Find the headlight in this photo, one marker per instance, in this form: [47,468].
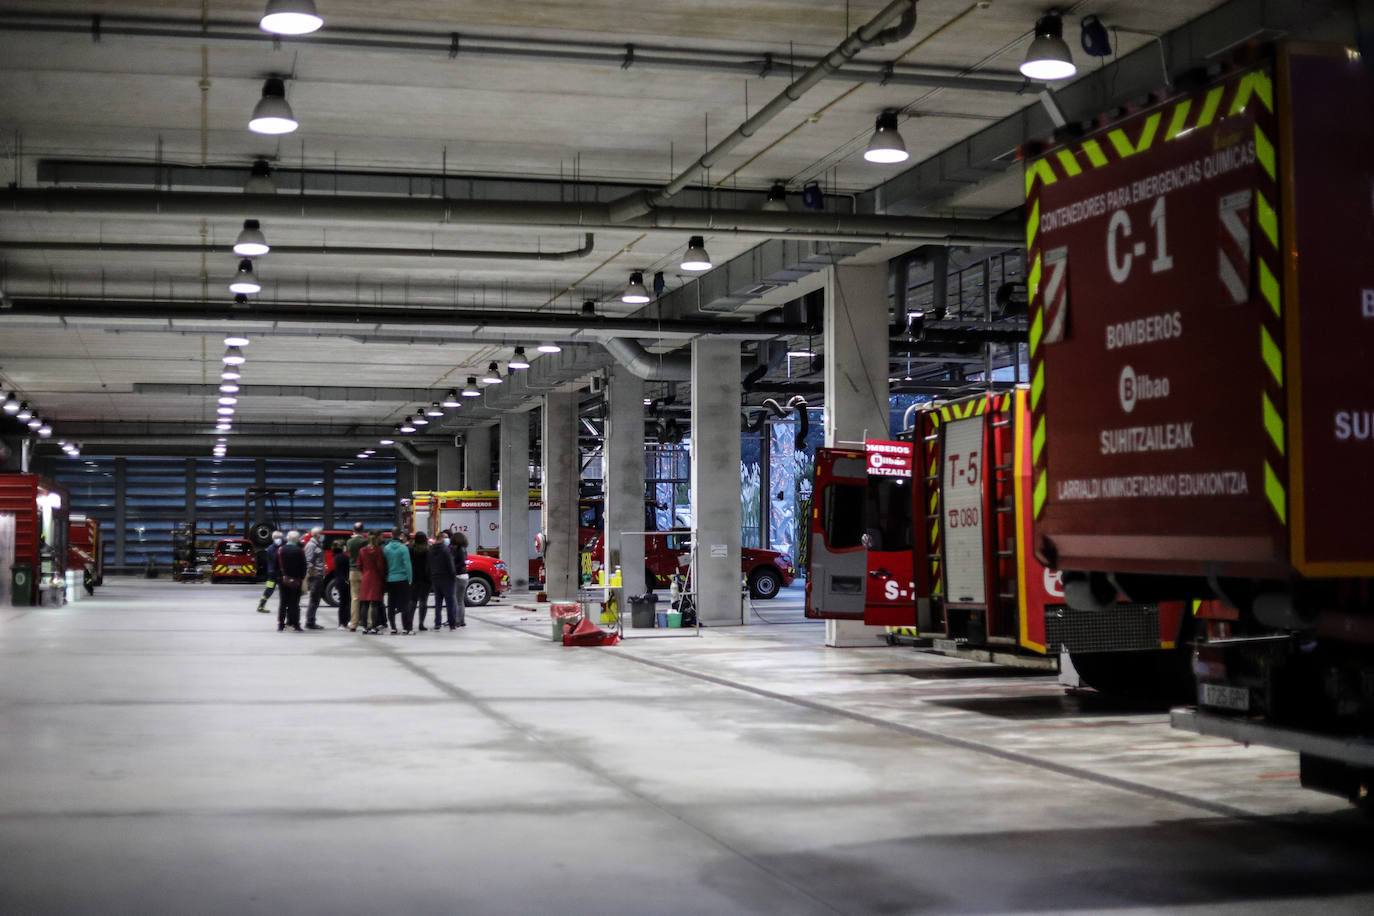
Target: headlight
[501,566]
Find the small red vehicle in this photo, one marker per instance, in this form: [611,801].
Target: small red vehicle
[487,576]
[666,553]
[234,560]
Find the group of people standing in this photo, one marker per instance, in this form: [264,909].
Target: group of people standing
[383,581]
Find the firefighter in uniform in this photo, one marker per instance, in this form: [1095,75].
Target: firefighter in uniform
[273,570]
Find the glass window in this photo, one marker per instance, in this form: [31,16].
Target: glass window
[842,515]
[888,513]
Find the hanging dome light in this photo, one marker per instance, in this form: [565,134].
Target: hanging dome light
[451,399]
[272,115]
[434,410]
[290,17]
[233,357]
[229,388]
[407,426]
[1048,56]
[228,399]
[225,411]
[386,441]
[260,179]
[251,243]
[635,293]
[44,429]
[518,361]
[223,426]
[34,421]
[696,259]
[419,419]
[549,348]
[493,376]
[23,414]
[777,199]
[886,146]
[231,373]
[470,389]
[236,340]
[245,282]
[12,403]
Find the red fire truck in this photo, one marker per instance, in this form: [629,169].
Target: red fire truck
[930,537]
[85,552]
[35,572]
[1202,326]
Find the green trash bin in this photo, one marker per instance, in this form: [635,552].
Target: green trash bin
[21,585]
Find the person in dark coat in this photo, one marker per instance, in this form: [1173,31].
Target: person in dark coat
[291,561]
[372,583]
[443,579]
[419,576]
[341,576]
[273,570]
[460,566]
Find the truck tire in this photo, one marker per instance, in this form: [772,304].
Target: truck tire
[333,594]
[764,583]
[479,590]
[260,534]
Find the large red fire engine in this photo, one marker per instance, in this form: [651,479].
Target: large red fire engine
[1202,326]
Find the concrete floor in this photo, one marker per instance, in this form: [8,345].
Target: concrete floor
[165,750]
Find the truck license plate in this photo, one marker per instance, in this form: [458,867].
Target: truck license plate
[1222,697]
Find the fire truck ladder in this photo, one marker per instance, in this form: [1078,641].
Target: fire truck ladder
[1001,621]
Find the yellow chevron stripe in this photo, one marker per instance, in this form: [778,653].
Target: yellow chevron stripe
[1197,606]
[982,406]
[1269,352]
[1122,144]
[1264,152]
[944,414]
[1042,170]
[1069,163]
[1273,423]
[1033,224]
[1209,106]
[1095,154]
[1266,217]
[1180,117]
[1037,386]
[1257,84]
[1038,441]
[1033,281]
[1269,287]
[1037,330]
[1273,488]
[1041,491]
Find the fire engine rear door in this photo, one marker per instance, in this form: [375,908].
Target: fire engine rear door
[889,520]
[962,513]
[837,562]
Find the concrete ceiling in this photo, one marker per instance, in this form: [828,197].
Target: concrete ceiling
[534,104]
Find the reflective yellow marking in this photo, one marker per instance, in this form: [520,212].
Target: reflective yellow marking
[1033,281]
[1122,144]
[1037,329]
[1095,154]
[1041,169]
[1274,490]
[1180,117]
[1037,386]
[1069,163]
[1209,106]
[1264,152]
[1197,606]
[1267,218]
[1038,440]
[1033,223]
[1273,423]
[1041,489]
[1269,352]
[1269,287]
[1256,84]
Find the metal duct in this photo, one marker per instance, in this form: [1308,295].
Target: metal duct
[408,454]
[871,33]
[652,367]
[817,226]
[347,250]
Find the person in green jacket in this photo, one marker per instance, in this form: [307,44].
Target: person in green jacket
[398,577]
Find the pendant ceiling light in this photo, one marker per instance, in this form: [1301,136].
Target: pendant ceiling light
[1048,56]
[260,179]
[236,340]
[223,426]
[225,411]
[517,361]
[635,293]
[245,281]
[434,410]
[34,421]
[228,399]
[290,17]
[407,426]
[233,356]
[549,348]
[777,199]
[44,429]
[231,373]
[493,376]
[470,389]
[696,259]
[12,403]
[386,441]
[419,419]
[886,145]
[272,115]
[251,243]
[451,399]
[23,414]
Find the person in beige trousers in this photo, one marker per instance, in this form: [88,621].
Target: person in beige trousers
[355,575]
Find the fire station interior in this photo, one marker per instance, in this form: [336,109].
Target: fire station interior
[665,275]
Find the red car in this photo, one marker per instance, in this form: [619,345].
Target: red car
[234,560]
[766,571]
[486,576]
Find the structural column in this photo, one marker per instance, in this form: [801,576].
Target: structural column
[560,488]
[449,468]
[516,537]
[856,398]
[624,478]
[716,480]
[477,459]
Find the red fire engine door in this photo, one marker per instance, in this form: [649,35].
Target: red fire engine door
[889,517]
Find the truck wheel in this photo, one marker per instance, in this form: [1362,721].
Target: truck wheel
[332,593]
[479,591]
[764,583]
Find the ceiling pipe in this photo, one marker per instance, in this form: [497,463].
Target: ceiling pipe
[652,367]
[314,210]
[408,453]
[871,33]
[367,316]
[339,250]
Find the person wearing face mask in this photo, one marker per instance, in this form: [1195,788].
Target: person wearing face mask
[273,570]
[443,578]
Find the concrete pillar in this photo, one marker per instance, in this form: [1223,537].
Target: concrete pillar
[558,443]
[477,459]
[715,480]
[856,405]
[624,477]
[516,536]
[449,473]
